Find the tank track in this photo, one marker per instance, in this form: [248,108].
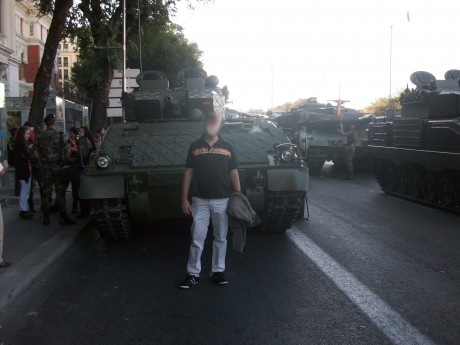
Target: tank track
[424,189]
[112,219]
[282,209]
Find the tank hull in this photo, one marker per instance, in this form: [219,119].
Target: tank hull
[412,159]
[143,184]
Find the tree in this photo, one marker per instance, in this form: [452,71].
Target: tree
[59,10]
[165,49]
[380,105]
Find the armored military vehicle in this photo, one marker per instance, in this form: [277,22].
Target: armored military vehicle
[322,126]
[417,155]
[136,175]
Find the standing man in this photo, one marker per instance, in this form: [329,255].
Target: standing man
[350,149]
[3,263]
[212,163]
[49,149]
[35,166]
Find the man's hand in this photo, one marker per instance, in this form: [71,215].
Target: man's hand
[186,208]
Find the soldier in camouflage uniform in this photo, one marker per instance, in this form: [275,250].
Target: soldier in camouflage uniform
[49,149]
[350,146]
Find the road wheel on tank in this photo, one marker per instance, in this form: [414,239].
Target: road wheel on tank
[414,184]
[401,182]
[446,195]
[429,188]
[389,179]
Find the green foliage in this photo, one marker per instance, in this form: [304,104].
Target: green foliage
[165,49]
[380,105]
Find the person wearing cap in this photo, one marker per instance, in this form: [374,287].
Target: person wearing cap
[49,149]
[212,163]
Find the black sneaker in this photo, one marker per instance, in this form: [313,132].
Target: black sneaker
[25,215]
[189,281]
[219,278]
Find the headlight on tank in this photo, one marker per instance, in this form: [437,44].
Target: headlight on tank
[103,162]
[286,155]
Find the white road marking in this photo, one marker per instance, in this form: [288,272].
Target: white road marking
[389,321]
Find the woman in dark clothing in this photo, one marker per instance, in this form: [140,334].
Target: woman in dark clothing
[22,168]
[13,131]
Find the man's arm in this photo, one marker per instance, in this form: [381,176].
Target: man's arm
[186,180]
[341,130]
[4,167]
[235,178]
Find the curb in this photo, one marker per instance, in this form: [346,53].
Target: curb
[24,273]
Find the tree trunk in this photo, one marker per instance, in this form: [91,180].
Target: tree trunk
[43,77]
[101,99]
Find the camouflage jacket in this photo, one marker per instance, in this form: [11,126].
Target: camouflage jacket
[50,146]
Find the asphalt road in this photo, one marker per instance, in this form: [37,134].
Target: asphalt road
[366,268]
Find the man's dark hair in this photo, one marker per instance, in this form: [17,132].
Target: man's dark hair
[50,120]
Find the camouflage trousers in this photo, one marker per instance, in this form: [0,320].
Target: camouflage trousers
[349,153]
[51,176]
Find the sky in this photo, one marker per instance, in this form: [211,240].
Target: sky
[308,48]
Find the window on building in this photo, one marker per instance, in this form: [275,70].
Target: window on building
[31,29]
[66,61]
[60,73]
[59,61]
[66,46]
[66,74]
[21,24]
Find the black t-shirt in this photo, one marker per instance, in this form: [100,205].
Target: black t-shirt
[211,168]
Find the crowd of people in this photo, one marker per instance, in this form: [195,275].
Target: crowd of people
[53,160]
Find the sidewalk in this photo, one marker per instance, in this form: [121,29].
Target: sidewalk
[32,247]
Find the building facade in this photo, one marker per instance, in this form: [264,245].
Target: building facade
[23,35]
[66,58]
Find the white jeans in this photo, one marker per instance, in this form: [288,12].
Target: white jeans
[202,211]
[24,195]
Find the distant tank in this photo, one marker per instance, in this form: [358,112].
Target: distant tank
[322,126]
[417,155]
[137,173]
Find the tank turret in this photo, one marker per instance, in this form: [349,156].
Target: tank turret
[432,98]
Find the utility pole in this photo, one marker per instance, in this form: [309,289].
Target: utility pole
[391,56]
[123,87]
[272,89]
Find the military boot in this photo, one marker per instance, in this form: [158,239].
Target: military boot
[65,220]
